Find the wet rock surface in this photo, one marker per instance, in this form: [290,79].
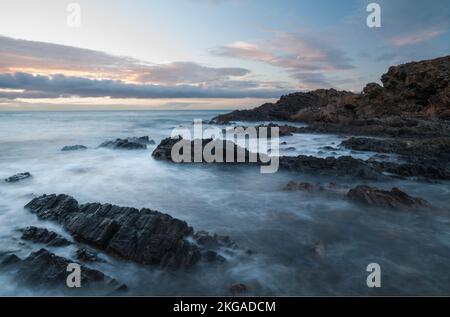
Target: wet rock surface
[86,255]
[45,269]
[42,235]
[77,147]
[134,143]
[144,236]
[394,199]
[18,177]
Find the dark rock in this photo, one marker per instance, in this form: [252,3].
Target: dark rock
[42,235]
[342,166]
[144,236]
[18,177]
[164,150]
[303,186]
[238,289]
[134,143]
[10,259]
[395,199]
[43,268]
[86,255]
[413,102]
[73,148]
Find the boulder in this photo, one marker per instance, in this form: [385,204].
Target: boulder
[394,199]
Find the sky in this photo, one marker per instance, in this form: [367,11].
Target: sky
[204,54]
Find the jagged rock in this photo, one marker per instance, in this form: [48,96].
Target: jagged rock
[45,269]
[74,148]
[144,236]
[18,177]
[42,235]
[395,199]
[86,255]
[134,143]
[413,101]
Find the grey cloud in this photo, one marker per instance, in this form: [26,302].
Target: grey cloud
[38,86]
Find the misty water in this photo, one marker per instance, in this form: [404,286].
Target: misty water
[301,243]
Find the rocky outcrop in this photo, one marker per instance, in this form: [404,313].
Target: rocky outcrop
[45,269]
[164,150]
[413,101]
[436,147]
[144,236]
[42,235]
[394,199]
[18,177]
[344,166]
[134,143]
[73,148]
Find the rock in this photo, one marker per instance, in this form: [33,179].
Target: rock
[134,143]
[238,289]
[74,148]
[433,148]
[86,255]
[413,102]
[42,235]
[18,177]
[394,199]
[10,259]
[303,186]
[342,166]
[291,149]
[164,150]
[145,236]
[45,269]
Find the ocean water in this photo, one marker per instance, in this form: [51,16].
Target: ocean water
[301,243]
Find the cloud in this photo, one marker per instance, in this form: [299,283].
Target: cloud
[297,53]
[188,73]
[77,71]
[417,37]
[25,85]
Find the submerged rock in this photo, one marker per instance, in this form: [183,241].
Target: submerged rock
[73,148]
[144,236]
[134,143]
[303,186]
[45,269]
[18,177]
[42,235]
[395,199]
